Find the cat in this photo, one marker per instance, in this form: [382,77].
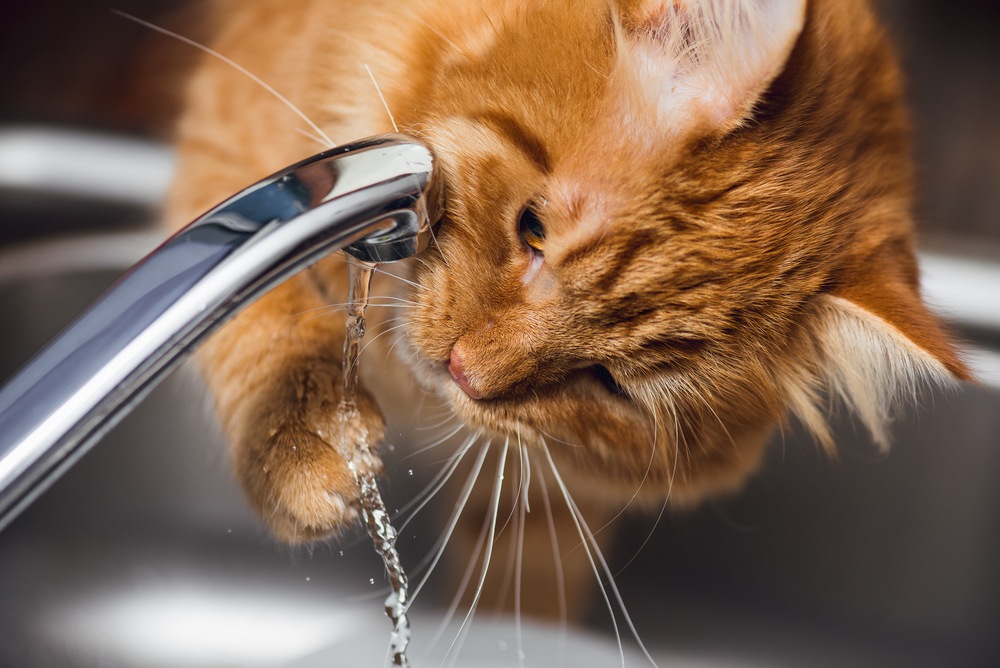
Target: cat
[670,225]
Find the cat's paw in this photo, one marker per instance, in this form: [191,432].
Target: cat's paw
[292,465]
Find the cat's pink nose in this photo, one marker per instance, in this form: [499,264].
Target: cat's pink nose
[458,373]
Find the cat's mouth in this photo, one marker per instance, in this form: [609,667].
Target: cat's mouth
[605,379]
[594,377]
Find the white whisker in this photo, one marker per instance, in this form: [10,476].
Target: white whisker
[645,476]
[462,586]
[588,536]
[523,509]
[435,240]
[381,97]
[577,521]
[649,537]
[316,138]
[397,277]
[453,521]
[560,576]
[438,482]
[489,544]
[239,68]
[508,574]
[401,337]
[380,335]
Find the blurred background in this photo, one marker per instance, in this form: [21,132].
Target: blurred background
[871,560]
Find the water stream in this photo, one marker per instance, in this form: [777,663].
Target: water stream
[353,432]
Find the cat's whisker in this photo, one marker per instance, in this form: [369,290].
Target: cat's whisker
[523,509]
[336,308]
[417,130]
[463,500]
[401,300]
[436,442]
[588,537]
[380,335]
[437,482]
[674,447]
[700,396]
[559,440]
[444,257]
[558,561]
[314,137]
[574,511]
[508,575]
[328,310]
[654,402]
[517,495]
[401,337]
[649,537]
[236,66]
[672,462]
[645,476]
[443,417]
[448,416]
[462,586]
[494,511]
[381,97]
[397,277]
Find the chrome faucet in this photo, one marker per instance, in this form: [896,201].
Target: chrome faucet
[377,199]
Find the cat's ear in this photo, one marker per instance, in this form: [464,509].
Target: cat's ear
[708,61]
[874,344]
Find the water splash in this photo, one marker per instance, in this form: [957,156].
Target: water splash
[356,448]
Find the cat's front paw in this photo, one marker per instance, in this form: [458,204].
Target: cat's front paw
[293,467]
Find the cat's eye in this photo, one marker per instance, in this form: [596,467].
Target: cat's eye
[531,229]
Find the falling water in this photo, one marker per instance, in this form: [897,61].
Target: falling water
[353,431]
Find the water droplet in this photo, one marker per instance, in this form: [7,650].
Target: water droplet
[229,530]
[371,581]
[502,644]
[294,448]
[520,655]
[410,471]
[341,553]
[308,579]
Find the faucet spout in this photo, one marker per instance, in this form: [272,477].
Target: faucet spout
[377,199]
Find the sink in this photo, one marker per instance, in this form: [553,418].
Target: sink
[145,553]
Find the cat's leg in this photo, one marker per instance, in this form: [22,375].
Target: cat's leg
[275,372]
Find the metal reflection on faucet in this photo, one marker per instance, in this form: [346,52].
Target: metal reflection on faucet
[377,199]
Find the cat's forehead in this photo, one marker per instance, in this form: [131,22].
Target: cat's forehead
[543,64]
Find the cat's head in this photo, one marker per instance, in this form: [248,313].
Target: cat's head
[669,224]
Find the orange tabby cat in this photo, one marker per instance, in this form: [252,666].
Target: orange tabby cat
[669,224]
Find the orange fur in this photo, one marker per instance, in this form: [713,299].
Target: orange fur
[727,215]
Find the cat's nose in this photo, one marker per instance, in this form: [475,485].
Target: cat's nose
[458,374]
